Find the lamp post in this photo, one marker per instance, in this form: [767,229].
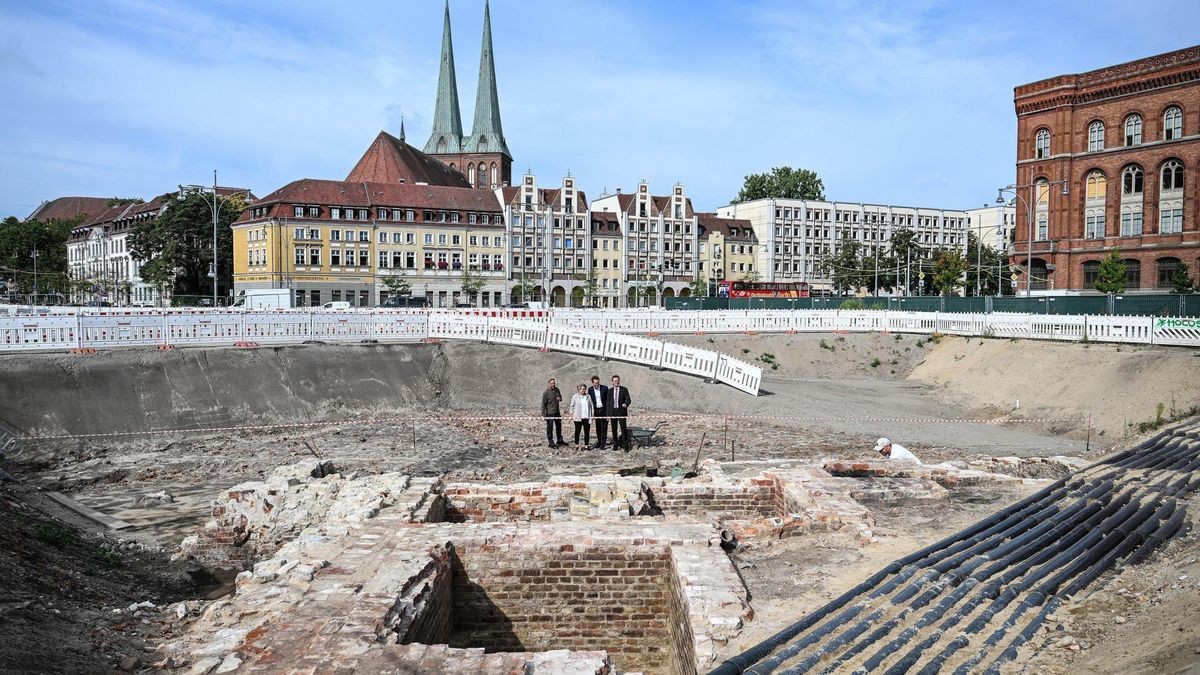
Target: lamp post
[215,207]
[1015,190]
[34,254]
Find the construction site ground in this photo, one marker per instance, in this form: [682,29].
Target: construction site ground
[469,412]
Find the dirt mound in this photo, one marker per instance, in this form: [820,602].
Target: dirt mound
[66,595]
[821,356]
[1120,386]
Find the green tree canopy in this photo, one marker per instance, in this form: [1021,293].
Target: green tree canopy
[1181,280]
[948,269]
[783,182]
[18,240]
[699,288]
[397,283]
[472,283]
[843,265]
[1111,276]
[988,266]
[175,249]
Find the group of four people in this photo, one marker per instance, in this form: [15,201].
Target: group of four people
[598,402]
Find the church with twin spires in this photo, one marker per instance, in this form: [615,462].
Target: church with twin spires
[482,156]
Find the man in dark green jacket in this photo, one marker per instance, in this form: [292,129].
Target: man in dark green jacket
[551,400]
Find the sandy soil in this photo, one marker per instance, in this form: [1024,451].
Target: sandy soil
[1119,386]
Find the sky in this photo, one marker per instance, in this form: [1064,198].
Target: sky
[906,103]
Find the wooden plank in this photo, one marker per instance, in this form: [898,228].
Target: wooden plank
[88,512]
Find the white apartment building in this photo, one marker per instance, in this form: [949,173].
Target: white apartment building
[98,253]
[660,239]
[795,235]
[993,225]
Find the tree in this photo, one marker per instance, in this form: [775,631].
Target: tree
[750,276]
[521,291]
[948,268]
[783,182]
[1110,278]
[909,256]
[842,266]
[471,283]
[591,286]
[176,249]
[397,283]
[699,288]
[17,242]
[986,265]
[1182,281]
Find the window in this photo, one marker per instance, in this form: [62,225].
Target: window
[410,260]
[335,257]
[1166,269]
[1133,130]
[1172,124]
[362,214]
[383,214]
[335,213]
[474,240]
[298,211]
[456,240]
[428,238]
[409,215]
[315,235]
[364,236]
[454,217]
[383,237]
[396,214]
[1042,210]
[298,233]
[1170,200]
[364,258]
[1042,144]
[1133,274]
[349,235]
[410,238]
[1094,205]
[1091,272]
[441,240]
[1095,136]
[314,256]
[395,237]
[335,235]
[1131,201]
[1131,181]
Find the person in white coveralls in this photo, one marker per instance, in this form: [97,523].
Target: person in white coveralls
[895,451]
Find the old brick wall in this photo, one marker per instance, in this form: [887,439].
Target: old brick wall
[602,597]
[680,636]
[731,499]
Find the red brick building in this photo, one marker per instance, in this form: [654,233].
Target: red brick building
[1125,141]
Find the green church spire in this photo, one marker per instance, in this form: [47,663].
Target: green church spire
[447,121]
[487,134]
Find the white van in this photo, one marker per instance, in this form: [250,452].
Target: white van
[340,304]
[264,298]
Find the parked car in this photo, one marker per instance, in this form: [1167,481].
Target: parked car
[339,304]
[403,301]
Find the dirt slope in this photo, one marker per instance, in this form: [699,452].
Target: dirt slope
[1119,385]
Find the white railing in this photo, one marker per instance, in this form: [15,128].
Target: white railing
[623,335]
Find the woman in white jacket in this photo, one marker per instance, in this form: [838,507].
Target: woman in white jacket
[582,412]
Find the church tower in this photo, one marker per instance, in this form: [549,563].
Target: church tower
[482,157]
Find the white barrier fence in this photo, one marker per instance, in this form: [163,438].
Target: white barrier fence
[1126,329]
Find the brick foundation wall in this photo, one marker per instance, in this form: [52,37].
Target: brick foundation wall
[680,636]
[423,611]
[560,498]
[747,498]
[612,598]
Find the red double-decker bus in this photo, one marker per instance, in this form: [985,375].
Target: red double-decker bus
[763,289]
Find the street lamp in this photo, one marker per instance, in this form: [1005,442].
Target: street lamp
[1014,189]
[215,207]
[35,284]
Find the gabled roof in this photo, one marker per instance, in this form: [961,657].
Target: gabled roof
[391,160]
[711,223]
[66,208]
[340,193]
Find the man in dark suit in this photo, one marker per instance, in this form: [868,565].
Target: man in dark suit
[618,410]
[599,395]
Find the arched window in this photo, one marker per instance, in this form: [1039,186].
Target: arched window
[470,171]
[1042,208]
[1041,144]
[1096,136]
[1131,201]
[1170,198]
[1038,273]
[1094,205]
[1172,124]
[483,175]
[1166,269]
[1091,272]
[1133,274]
[1133,130]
